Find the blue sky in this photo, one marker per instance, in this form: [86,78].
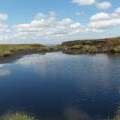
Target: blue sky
[55,21]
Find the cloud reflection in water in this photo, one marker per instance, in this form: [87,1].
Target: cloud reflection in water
[4,71]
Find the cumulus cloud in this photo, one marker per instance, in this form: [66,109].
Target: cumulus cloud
[81,13]
[3,17]
[47,25]
[84,2]
[3,26]
[105,20]
[104,5]
[100,16]
[117,11]
[100,5]
[76,25]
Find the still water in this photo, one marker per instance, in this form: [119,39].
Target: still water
[56,86]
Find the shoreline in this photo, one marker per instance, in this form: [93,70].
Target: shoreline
[111,45]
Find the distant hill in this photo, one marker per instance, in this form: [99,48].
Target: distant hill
[110,45]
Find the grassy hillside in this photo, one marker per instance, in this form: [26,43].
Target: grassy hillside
[111,45]
[8,50]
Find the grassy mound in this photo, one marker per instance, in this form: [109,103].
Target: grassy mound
[16,116]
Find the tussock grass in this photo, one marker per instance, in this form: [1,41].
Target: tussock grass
[8,50]
[111,45]
[16,116]
[117,116]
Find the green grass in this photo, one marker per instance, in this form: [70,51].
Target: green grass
[111,45]
[117,49]
[117,116]
[16,116]
[89,49]
[8,50]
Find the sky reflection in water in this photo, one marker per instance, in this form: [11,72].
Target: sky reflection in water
[57,86]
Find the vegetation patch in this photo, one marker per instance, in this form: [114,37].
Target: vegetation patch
[111,45]
[17,116]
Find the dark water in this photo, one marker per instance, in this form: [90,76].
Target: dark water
[57,86]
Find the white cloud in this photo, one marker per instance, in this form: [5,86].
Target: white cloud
[84,2]
[117,11]
[104,5]
[4,29]
[105,20]
[47,26]
[66,21]
[76,25]
[104,24]
[80,13]
[42,15]
[3,26]
[3,17]
[100,16]
[96,3]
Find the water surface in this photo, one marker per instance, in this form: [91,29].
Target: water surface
[56,86]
